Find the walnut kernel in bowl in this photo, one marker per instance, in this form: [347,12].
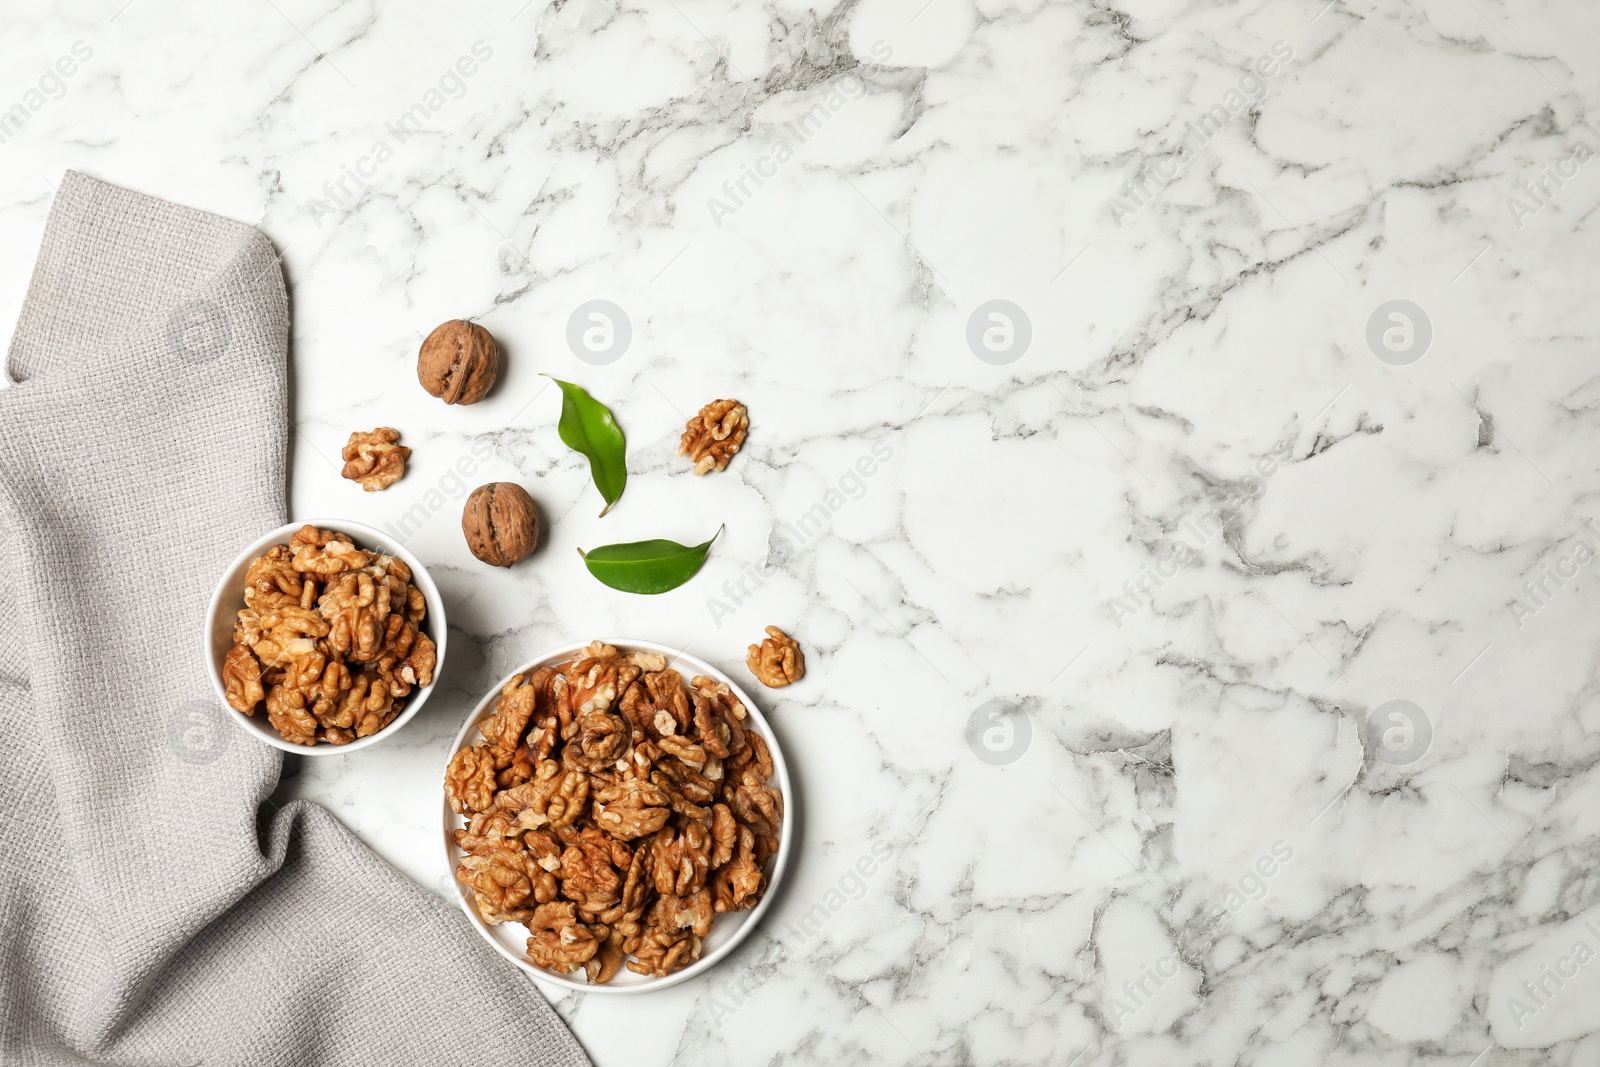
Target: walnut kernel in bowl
[330,639]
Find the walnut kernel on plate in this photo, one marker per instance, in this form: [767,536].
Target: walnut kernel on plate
[622,831]
[331,630]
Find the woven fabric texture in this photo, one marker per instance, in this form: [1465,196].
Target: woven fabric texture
[155,907]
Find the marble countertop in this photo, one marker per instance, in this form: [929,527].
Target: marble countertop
[1172,440]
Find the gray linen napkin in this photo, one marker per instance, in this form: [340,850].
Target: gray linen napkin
[154,909]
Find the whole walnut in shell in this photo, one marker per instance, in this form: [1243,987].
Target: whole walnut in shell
[459,362]
[500,523]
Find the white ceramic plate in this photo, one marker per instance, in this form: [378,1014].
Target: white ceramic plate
[228,599]
[727,930]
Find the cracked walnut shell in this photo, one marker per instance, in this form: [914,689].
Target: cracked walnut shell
[713,436]
[459,362]
[376,460]
[776,661]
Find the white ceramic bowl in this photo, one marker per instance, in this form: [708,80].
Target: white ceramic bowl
[228,599]
[727,930]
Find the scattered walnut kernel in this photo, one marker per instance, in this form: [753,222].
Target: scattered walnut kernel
[712,437]
[375,459]
[777,661]
[329,639]
[598,818]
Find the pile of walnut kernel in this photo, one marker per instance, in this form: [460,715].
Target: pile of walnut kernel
[329,638]
[613,810]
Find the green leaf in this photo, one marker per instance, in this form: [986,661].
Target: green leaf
[646,566]
[587,428]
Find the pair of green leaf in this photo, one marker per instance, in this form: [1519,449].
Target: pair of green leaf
[588,428]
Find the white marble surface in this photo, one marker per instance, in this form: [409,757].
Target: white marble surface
[1097,900]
